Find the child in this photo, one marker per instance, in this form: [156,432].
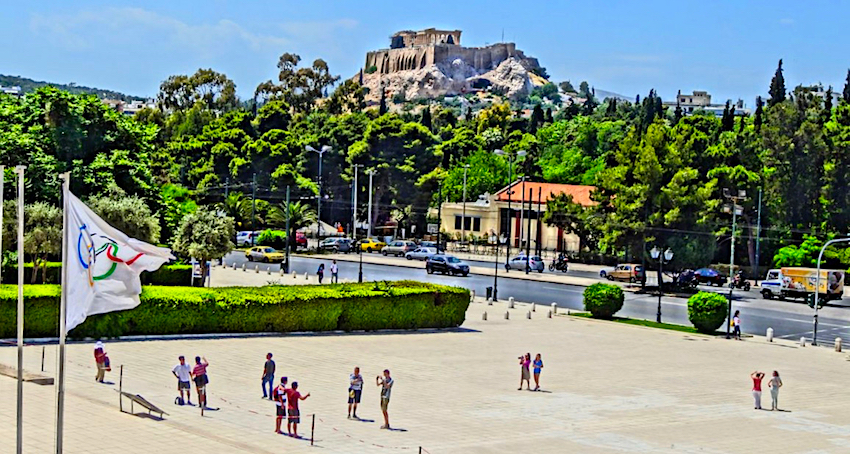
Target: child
[538,366]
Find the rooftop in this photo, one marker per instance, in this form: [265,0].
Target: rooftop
[580,193]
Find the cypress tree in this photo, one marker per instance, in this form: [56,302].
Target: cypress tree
[827,103]
[846,93]
[743,124]
[759,112]
[777,87]
[382,108]
[537,118]
[426,117]
[550,118]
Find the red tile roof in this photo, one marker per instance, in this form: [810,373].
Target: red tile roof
[580,193]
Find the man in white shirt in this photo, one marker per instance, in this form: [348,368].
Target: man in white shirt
[355,388]
[182,372]
[334,273]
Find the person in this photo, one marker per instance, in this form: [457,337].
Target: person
[101,362]
[279,397]
[757,377]
[524,363]
[268,376]
[199,373]
[355,388]
[774,384]
[293,396]
[321,272]
[386,383]
[736,324]
[334,273]
[538,366]
[183,373]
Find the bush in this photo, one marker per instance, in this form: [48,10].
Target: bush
[371,69]
[603,300]
[707,311]
[181,310]
[173,275]
[52,272]
[273,238]
[169,275]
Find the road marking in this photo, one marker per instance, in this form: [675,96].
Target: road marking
[561,289]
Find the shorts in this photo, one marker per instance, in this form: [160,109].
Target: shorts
[201,381]
[294,416]
[354,396]
[281,411]
[183,384]
[536,371]
[385,402]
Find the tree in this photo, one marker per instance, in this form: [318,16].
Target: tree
[570,217]
[584,89]
[425,120]
[727,123]
[42,234]
[567,87]
[846,92]
[759,115]
[300,215]
[348,97]
[537,118]
[550,118]
[130,215]
[238,208]
[777,87]
[204,235]
[212,89]
[382,109]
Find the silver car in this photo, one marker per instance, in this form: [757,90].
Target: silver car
[398,248]
[422,253]
[522,262]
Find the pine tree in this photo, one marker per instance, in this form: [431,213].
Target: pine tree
[777,87]
[426,117]
[846,93]
[759,113]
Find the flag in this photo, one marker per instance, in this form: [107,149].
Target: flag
[103,264]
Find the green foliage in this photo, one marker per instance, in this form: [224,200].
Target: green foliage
[169,275]
[777,87]
[173,275]
[205,236]
[181,310]
[707,311]
[273,238]
[603,300]
[130,215]
[42,233]
[371,69]
[29,85]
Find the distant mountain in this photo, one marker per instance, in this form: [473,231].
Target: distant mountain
[28,85]
[604,94]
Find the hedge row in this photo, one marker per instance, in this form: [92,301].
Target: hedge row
[184,310]
[166,275]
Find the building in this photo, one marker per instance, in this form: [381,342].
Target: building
[131,108]
[489,215]
[13,91]
[818,90]
[700,100]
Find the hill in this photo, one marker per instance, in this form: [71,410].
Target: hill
[28,85]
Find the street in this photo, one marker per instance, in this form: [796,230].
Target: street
[789,319]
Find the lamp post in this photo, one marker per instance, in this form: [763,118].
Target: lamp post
[321,152]
[463,223]
[370,172]
[817,286]
[354,202]
[661,257]
[735,209]
[511,161]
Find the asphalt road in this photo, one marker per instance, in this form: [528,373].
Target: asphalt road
[789,320]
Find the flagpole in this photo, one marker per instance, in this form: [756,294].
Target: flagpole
[63,304]
[20,171]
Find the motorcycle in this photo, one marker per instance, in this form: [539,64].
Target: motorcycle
[686,280]
[738,282]
[559,265]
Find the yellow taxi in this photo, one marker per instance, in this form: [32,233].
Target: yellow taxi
[264,254]
[371,244]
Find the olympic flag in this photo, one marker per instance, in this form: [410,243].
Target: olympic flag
[103,264]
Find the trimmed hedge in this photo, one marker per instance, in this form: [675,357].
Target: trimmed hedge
[185,310]
[603,300]
[176,274]
[707,311]
[273,238]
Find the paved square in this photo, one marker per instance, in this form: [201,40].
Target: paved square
[609,388]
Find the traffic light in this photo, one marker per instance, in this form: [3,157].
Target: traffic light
[810,300]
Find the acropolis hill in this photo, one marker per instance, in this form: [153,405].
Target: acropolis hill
[430,63]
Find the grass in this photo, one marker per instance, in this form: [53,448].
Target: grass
[647,323]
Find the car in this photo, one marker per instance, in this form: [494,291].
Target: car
[264,254]
[398,248]
[604,272]
[626,272]
[709,276]
[522,262]
[421,253]
[300,240]
[432,244]
[246,238]
[336,245]
[371,244]
[446,264]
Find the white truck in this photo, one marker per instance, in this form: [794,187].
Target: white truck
[793,282]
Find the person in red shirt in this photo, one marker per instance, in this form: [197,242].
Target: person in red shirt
[757,377]
[101,362]
[200,376]
[292,397]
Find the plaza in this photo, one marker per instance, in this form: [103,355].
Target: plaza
[607,388]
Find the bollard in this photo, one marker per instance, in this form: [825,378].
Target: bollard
[802,342]
[256,268]
[838,344]
[533,307]
[528,316]
[280,272]
[554,308]
[269,271]
[234,265]
[484,316]
[306,276]
[550,315]
[507,315]
[294,275]
[243,267]
[489,301]
[511,302]
[472,295]
[770,334]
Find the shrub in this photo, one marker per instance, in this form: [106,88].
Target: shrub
[707,311]
[172,275]
[371,69]
[603,300]
[273,238]
[179,310]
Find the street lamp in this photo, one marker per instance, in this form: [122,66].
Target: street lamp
[463,223]
[370,172]
[322,151]
[735,209]
[511,160]
[661,257]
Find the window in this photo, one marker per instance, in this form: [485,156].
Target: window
[457,222]
[476,224]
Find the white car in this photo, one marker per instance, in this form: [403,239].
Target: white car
[422,253]
[244,237]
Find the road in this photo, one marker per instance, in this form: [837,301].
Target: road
[789,320]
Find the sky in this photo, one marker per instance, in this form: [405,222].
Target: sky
[729,48]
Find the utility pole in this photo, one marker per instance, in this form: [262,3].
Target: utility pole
[463,224]
[321,152]
[539,248]
[253,207]
[511,161]
[528,239]
[734,208]
[521,214]
[354,202]
[288,238]
[371,172]
[758,238]
[440,217]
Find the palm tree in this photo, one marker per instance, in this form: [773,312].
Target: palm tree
[300,215]
[238,207]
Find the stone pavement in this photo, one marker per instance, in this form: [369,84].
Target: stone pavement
[609,388]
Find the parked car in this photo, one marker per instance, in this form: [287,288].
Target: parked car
[604,272]
[264,254]
[371,244]
[446,264]
[522,262]
[398,248]
[432,244]
[336,245]
[626,272]
[300,240]
[245,237]
[709,276]
[421,253]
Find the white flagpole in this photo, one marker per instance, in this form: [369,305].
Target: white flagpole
[63,304]
[20,171]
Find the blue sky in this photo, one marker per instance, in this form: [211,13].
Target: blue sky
[728,48]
